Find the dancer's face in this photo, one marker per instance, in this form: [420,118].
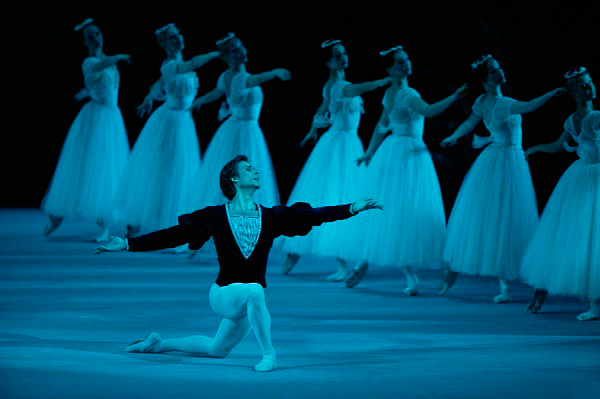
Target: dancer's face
[92,37]
[402,66]
[247,176]
[339,57]
[173,39]
[584,88]
[237,52]
[495,73]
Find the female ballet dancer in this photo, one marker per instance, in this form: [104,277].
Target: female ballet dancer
[331,161]
[96,148]
[243,233]
[240,133]
[154,186]
[563,256]
[401,172]
[495,212]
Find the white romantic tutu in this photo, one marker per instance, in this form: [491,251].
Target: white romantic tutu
[155,183]
[563,256]
[494,216]
[234,137]
[90,164]
[330,177]
[412,228]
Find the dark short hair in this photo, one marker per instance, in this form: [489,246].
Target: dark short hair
[229,171]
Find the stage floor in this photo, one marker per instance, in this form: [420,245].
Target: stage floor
[66,316]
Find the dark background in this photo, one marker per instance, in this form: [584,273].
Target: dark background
[535,42]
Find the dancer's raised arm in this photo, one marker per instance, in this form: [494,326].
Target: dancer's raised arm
[196,62]
[420,106]
[523,107]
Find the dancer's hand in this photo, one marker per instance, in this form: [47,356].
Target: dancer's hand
[365,158]
[83,94]
[558,91]
[224,111]
[462,91]
[282,73]
[144,108]
[312,135]
[365,204]
[114,244]
[530,151]
[448,142]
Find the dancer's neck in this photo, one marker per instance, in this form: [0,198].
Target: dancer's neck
[336,75]
[242,201]
[493,90]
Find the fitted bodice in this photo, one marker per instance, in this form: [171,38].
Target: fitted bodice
[244,103]
[102,86]
[180,88]
[344,112]
[503,125]
[588,138]
[404,122]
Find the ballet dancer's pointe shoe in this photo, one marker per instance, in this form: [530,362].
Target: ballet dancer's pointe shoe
[290,262]
[340,275]
[448,280]
[537,301]
[144,345]
[357,275]
[588,316]
[102,236]
[411,291]
[268,363]
[502,298]
[52,225]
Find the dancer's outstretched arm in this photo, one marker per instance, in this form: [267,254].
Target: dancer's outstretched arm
[431,110]
[319,121]
[156,93]
[376,138]
[196,62]
[466,127]
[356,89]
[555,146]
[109,61]
[258,79]
[209,97]
[523,107]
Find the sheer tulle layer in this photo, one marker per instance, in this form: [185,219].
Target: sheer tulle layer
[329,177]
[90,164]
[563,256]
[234,137]
[154,186]
[412,228]
[494,216]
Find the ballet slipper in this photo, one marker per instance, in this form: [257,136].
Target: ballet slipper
[411,291]
[357,275]
[539,296]
[144,345]
[448,280]
[102,236]
[340,275]
[290,262]
[54,223]
[268,363]
[588,316]
[502,298]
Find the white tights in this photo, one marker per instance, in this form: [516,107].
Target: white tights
[243,308]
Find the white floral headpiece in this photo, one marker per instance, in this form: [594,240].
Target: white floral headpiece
[83,24]
[481,61]
[164,28]
[329,43]
[227,38]
[392,50]
[575,72]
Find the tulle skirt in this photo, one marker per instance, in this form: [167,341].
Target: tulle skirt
[494,216]
[330,177]
[563,256]
[412,228]
[90,164]
[156,181]
[234,137]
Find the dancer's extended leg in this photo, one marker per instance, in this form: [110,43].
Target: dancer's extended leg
[55,221]
[504,295]
[341,273]
[412,281]
[290,262]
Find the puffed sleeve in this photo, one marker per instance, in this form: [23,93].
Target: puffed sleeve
[193,228]
[221,82]
[477,106]
[91,77]
[406,96]
[238,90]
[590,127]
[300,218]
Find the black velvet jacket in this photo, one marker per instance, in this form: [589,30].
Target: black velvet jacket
[197,227]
